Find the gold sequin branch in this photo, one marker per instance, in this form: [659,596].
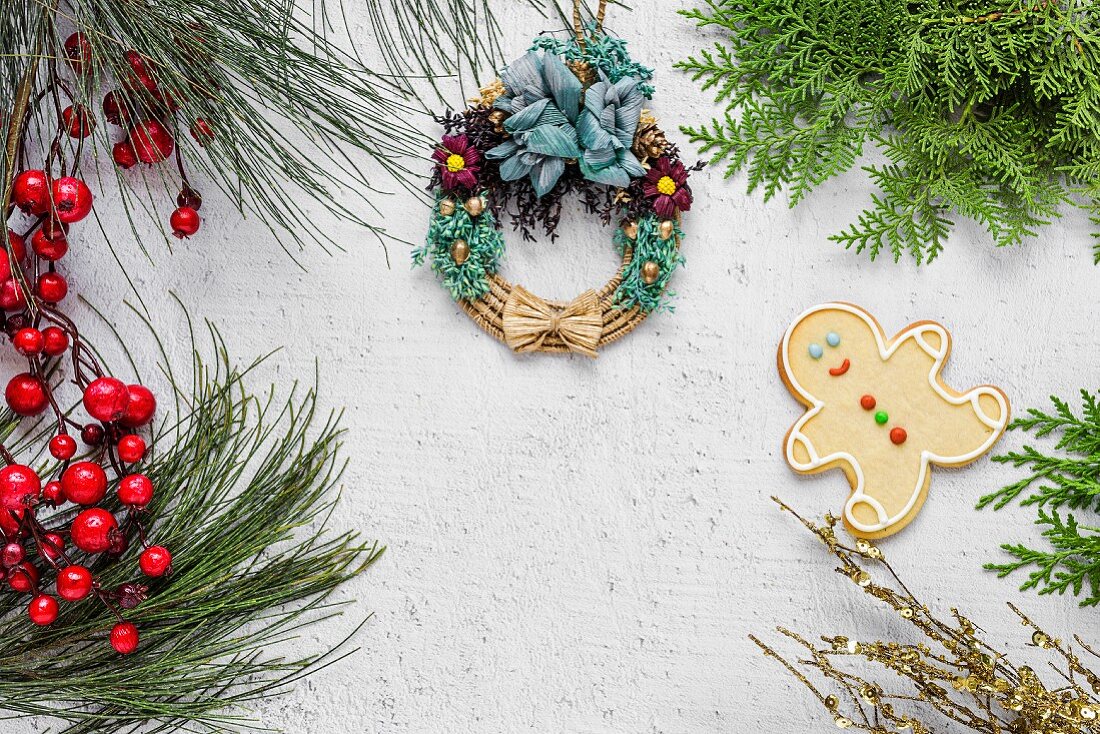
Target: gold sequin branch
[947,676]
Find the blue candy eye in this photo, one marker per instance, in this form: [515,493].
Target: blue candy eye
[816,351]
[832,339]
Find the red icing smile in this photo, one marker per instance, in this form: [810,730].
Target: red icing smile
[838,371]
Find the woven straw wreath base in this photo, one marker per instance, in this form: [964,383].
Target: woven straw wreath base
[582,325]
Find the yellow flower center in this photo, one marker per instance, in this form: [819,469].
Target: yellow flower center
[666,186]
[455,163]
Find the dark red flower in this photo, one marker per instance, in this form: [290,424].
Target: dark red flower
[666,184]
[458,162]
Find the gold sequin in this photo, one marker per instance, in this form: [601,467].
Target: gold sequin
[862,578]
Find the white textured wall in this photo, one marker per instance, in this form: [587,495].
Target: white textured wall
[584,546]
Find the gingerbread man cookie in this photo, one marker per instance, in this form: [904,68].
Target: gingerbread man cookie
[879,410]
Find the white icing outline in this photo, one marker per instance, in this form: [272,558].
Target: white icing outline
[927,457]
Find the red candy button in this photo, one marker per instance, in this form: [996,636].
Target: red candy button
[898,436]
[868,402]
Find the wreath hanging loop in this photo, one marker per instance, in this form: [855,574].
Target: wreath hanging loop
[578,21]
[566,119]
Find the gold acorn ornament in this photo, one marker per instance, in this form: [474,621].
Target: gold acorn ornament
[651,271]
[666,229]
[630,229]
[474,206]
[447,207]
[460,251]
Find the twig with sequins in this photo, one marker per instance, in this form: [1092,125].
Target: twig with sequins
[952,672]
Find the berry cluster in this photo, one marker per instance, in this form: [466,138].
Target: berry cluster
[145,113]
[68,549]
[30,547]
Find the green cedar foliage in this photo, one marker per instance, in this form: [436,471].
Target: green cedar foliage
[983,109]
[1068,477]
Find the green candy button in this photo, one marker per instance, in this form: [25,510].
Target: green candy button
[881,417]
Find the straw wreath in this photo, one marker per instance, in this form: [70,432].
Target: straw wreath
[565,120]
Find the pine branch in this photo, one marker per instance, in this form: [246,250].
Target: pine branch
[245,492]
[296,114]
[1069,477]
[988,113]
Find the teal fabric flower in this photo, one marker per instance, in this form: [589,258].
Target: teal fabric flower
[606,127]
[543,100]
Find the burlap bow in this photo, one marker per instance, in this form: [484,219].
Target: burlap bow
[529,320]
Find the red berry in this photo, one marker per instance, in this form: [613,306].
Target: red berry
[155,561]
[5,265]
[12,297]
[52,544]
[185,222]
[189,197]
[63,447]
[56,341]
[53,493]
[116,107]
[106,399]
[31,192]
[52,287]
[77,120]
[23,578]
[49,248]
[78,49]
[131,448]
[92,434]
[201,131]
[152,142]
[140,408]
[72,199]
[124,155]
[12,554]
[167,100]
[84,483]
[74,583]
[54,229]
[124,638]
[11,523]
[135,490]
[26,395]
[43,610]
[18,246]
[29,341]
[91,530]
[19,486]
[141,75]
